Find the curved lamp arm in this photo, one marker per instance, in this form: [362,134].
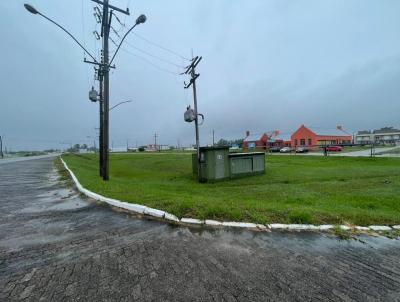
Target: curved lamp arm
[119,104]
[139,20]
[32,10]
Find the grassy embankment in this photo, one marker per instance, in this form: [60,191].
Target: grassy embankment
[295,189]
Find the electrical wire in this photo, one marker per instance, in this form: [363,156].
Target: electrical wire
[154,56]
[161,47]
[84,42]
[127,6]
[149,62]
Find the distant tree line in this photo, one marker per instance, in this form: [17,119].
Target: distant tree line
[224,142]
[77,147]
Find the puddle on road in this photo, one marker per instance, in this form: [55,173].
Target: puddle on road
[289,240]
[69,204]
[57,200]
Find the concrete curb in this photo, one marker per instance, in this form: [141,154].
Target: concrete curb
[168,217]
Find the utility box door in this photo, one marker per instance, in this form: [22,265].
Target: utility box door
[219,164]
[259,163]
[241,165]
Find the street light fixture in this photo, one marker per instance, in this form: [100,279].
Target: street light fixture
[31,9]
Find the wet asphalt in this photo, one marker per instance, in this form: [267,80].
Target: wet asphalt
[58,246]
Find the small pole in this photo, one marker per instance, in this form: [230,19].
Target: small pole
[213,137]
[1,147]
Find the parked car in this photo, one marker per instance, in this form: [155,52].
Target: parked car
[286,150]
[334,148]
[274,149]
[301,150]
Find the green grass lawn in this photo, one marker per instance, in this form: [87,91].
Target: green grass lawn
[295,189]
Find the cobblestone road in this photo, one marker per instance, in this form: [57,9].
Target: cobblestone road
[58,246]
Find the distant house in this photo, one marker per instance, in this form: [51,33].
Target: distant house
[364,137]
[313,137]
[280,141]
[255,141]
[386,135]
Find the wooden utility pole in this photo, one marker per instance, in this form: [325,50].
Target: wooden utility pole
[191,69]
[101,116]
[104,71]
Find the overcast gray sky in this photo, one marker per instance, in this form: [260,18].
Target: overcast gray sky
[266,65]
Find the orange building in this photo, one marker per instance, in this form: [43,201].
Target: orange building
[255,141]
[313,137]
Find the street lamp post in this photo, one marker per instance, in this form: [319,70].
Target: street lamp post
[104,67]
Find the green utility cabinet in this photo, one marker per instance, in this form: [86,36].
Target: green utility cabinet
[242,164]
[216,163]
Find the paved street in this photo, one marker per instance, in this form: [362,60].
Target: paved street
[365,153]
[58,246]
[360,153]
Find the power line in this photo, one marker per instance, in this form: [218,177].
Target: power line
[146,52]
[149,62]
[154,56]
[162,47]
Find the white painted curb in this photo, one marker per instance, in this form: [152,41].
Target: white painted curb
[191,221]
[141,209]
[239,224]
[380,228]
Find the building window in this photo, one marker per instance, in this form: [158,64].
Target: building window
[295,142]
[302,142]
[309,142]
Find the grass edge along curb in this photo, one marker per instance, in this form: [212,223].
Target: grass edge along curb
[168,217]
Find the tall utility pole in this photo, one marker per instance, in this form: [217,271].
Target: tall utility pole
[105,66]
[101,116]
[191,69]
[155,141]
[106,87]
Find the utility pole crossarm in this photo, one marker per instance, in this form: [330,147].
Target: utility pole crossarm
[97,63]
[126,12]
[192,81]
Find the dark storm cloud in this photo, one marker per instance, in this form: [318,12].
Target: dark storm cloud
[266,65]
